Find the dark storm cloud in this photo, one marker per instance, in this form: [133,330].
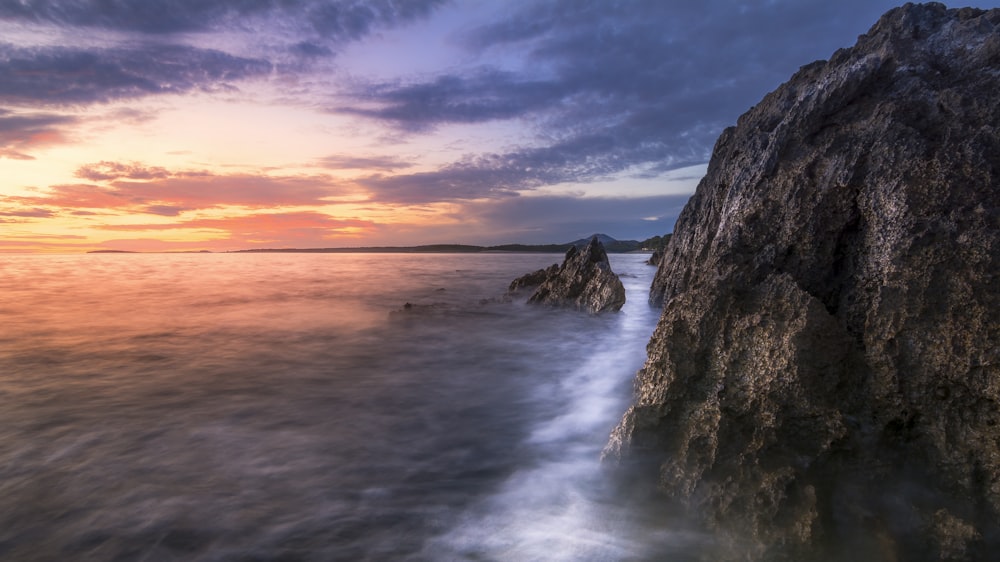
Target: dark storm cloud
[67,75]
[611,86]
[341,20]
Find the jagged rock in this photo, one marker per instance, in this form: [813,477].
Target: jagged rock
[655,258]
[532,280]
[584,281]
[824,380]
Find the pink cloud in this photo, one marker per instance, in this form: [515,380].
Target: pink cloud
[21,133]
[136,188]
[254,223]
[305,229]
[103,171]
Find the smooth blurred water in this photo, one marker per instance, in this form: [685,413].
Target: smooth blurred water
[287,407]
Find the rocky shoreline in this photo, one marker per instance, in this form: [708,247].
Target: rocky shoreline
[824,382]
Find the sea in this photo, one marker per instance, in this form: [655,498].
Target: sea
[314,407]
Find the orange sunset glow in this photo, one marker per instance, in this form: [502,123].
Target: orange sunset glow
[181,126]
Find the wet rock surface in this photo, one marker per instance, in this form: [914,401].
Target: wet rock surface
[531,281]
[824,382]
[584,281]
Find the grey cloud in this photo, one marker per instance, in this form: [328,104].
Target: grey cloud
[166,210]
[618,85]
[310,50]
[484,95]
[162,16]
[340,20]
[579,159]
[65,75]
[353,19]
[14,126]
[160,60]
[20,133]
[345,162]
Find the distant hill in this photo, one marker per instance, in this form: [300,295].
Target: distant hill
[610,244]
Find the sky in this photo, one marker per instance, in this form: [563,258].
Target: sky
[187,125]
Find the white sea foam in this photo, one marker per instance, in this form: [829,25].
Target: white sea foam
[558,507]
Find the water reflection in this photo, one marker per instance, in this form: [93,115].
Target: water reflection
[268,406]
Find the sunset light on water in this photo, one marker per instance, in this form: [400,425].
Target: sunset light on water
[498,281]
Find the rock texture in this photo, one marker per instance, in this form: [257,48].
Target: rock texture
[584,281]
[824,382]
[532,280]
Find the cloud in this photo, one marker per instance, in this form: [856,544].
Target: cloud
[305,229]
[353,19]
[137,188]
[21,133]
[157,47]
[69,75]
[254,223]
[28,213]
[166,210]
[116,170]
[606,87]
[347,162]
[485,94]
[339,20]
[580,159]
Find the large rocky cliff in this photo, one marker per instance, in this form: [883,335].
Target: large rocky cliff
[824,382]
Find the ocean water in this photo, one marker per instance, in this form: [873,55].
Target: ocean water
[288,407]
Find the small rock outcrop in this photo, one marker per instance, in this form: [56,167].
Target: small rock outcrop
[584,281]
[532,280]
[824,381]
[655,258]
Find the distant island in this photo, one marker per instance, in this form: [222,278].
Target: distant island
[610,244]
[656,243]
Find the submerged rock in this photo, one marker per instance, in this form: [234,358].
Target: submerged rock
[825,378]
[584,281]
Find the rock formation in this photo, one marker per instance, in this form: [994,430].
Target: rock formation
[655,257]
[532,280]
[584,281]
[824,382]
